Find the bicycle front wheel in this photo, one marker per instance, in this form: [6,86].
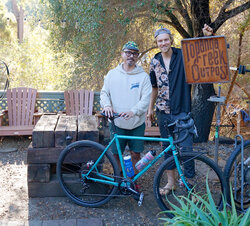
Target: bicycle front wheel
[234,177]
[74,163]
[204,169]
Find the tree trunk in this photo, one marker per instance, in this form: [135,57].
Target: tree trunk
[200,14]
[203,110]
[19,14]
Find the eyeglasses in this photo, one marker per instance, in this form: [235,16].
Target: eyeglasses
[129,53]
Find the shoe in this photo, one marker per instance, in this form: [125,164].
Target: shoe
[167,189]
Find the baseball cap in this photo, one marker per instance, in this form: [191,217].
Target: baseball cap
[130,45]
[162,31]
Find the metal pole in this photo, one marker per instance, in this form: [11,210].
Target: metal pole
[217,128]
[241,172]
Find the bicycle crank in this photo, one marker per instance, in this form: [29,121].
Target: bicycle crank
[140,199]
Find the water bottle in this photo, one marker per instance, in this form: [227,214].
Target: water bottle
[145,160]
[128,166]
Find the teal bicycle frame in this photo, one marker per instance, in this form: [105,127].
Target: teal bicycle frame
[110,181]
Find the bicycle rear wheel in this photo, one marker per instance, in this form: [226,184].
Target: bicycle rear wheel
[233,175]
[204,169]
[75,161]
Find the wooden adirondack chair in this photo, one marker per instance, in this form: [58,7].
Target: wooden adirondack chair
[151,131]
[21,106]
[79,102]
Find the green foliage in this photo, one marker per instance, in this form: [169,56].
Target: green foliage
[102,28]
[202,211]
[5,30]
[33,63]
[89,42]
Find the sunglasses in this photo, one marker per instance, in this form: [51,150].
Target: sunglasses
[129,53]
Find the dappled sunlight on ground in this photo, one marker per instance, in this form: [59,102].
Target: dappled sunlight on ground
[13,192]
[15,204]
[13,173]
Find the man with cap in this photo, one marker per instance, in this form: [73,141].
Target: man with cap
[126,91]
[171,95]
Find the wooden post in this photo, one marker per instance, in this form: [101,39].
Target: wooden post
[19,14]
[48,141]
[238,122]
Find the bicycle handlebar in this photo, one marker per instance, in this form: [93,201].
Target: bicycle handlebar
[185,123]
[115,115]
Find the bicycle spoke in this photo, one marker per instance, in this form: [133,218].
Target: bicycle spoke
[233,175]
[204,169]
[73,167]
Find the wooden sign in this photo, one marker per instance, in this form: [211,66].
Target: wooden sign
[205,59]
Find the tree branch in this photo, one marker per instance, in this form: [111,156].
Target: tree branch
[223,15]
[184,13]
[165,21]
[156,19]
[225,6]
[152,18]
[176,24]
[145,51]
[243,89]
[174,21]
[238,64]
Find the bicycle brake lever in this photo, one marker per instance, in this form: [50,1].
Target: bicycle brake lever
[115,115]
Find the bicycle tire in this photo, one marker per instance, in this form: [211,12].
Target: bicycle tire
[235,157]
[74,161]
[204,168]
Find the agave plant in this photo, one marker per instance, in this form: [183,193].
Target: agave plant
[201,211]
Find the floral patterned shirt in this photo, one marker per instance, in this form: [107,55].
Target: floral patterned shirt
[174,94]
[161,74]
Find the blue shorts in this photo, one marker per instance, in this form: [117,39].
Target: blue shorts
[134,145]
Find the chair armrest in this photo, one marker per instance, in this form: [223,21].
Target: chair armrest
[1,119]
[37,116]
[2,113]
[99,118]
[98,115]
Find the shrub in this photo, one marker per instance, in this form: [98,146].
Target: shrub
[196,210]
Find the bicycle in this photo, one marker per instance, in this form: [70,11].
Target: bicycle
[89,175]
[4,70]
[237,173]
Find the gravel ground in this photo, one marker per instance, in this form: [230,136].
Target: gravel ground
[15,204]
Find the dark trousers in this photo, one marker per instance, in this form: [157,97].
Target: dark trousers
[163,121]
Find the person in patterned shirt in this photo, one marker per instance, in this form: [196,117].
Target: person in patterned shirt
[171,95]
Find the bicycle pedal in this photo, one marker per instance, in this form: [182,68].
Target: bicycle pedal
[141,199]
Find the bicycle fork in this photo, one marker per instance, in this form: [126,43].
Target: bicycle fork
[186,184]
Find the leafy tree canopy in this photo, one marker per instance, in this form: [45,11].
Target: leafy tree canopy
[86,37]
[95,30]
[32,63]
